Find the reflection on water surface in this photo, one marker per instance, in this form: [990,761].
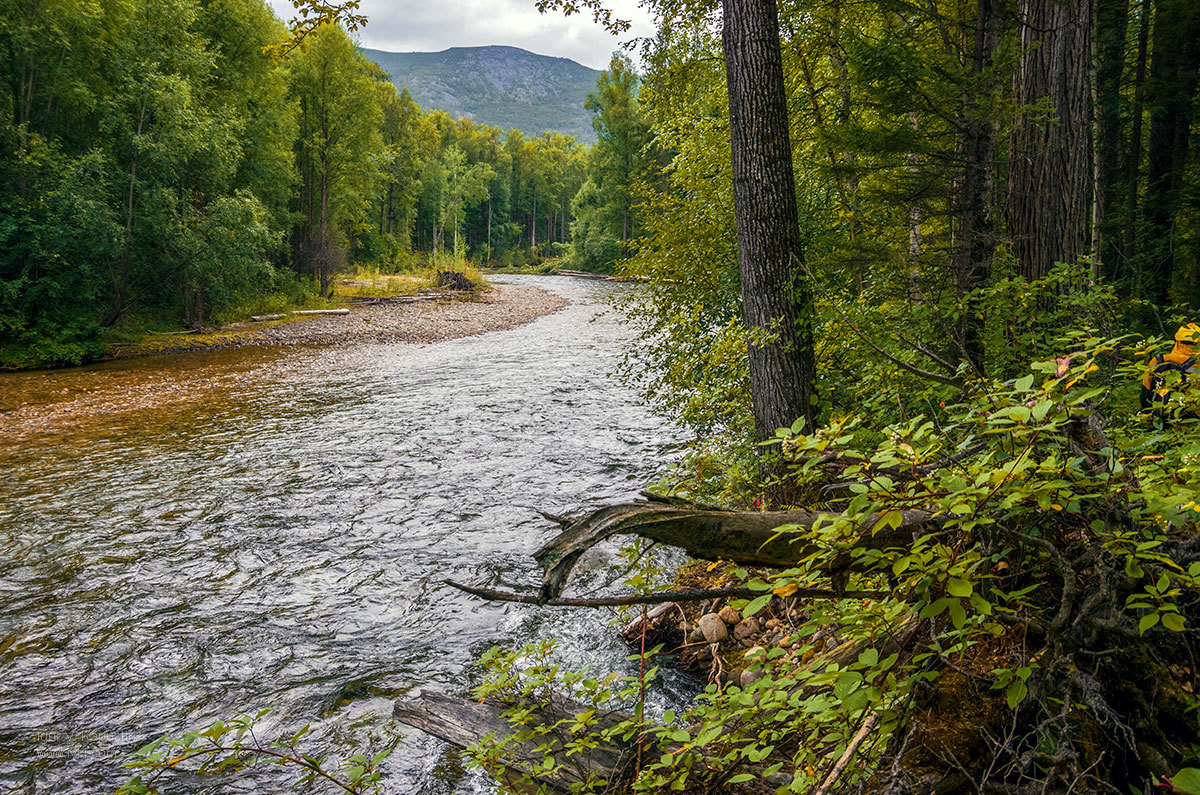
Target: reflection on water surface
[184,537]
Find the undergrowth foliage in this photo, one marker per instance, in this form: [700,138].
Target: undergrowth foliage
[233,747]
[1054,587]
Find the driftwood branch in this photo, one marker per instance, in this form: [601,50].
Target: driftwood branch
[661,597]
[844,761]
[747,537]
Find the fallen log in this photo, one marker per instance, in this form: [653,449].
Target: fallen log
[342,311]
[461,722]
[747,537]
[260,318]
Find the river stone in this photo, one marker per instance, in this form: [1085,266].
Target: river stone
[713,628]
[729,615]
[695,636]
[749,677]
[745,629]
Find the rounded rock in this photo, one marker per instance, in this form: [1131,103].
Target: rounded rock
[729,615]
[745,629]
[713,628]
[749,677]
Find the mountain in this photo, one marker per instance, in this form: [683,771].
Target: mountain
[500,86]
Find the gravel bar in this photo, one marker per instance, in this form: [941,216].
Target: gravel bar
[500,307]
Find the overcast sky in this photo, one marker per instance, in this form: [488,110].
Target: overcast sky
[432,25]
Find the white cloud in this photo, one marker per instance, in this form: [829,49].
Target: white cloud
[412,25]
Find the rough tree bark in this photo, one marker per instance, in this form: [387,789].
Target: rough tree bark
[1050,173]
[775,297]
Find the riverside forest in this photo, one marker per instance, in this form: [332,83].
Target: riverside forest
[831,425]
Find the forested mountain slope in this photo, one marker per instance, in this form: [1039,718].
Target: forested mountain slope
[503,87]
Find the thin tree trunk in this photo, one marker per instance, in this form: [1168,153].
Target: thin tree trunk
[914,209]
[974,238]
[126,265]
[1112,19]
[1173,77]
[776,300]
[1133,156]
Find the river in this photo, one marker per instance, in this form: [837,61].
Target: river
[270,527]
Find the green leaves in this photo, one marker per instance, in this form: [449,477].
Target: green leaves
[959,587]
[1187,781]
[756,605]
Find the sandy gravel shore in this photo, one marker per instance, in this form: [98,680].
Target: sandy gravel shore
[501,307]
[140,393]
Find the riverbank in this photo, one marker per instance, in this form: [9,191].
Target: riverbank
[140,379]
[498,308]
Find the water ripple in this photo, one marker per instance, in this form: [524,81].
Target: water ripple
[281,540]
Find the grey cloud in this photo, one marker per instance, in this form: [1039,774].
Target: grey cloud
[405,25]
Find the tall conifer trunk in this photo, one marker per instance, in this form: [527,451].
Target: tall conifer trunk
[1050,176]
[775,296]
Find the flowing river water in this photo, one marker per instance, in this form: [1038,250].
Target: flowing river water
[271,527]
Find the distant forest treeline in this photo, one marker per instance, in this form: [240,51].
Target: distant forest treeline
[157,169]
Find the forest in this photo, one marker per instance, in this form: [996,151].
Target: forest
[164,168]
[918,279]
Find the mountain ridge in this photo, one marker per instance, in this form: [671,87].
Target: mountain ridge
[498,85]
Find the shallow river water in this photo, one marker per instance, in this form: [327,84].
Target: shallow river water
[270,528]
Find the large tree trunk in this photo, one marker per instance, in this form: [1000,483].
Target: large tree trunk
[1173,75]
[1050,173]
[775,297]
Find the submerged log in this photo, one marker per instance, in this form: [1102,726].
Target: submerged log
[748,537]
[461,723]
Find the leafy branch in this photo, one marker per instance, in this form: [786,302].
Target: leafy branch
[231,746]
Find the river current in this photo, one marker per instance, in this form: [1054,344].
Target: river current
[272,530]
